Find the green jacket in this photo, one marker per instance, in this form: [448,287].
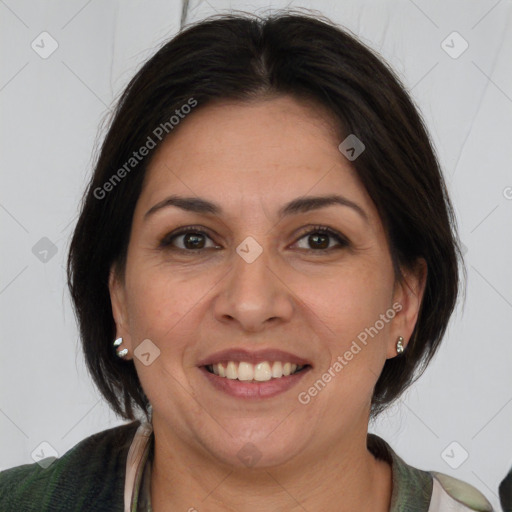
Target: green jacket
[91,477]
[88,477]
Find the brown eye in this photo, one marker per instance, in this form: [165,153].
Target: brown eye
[187,239]
[193,240]
[319,238]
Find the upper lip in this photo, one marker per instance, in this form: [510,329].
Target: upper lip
[254,357]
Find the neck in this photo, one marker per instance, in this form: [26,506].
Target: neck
[342,479]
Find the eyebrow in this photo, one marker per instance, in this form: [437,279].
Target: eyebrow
[299,205]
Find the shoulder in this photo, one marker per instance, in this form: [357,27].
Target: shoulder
[88,476]
[460,495]
[426,491]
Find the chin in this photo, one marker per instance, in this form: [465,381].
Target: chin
[258,450]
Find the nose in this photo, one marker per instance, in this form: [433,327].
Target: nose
[253,295]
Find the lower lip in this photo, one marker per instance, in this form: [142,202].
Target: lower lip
[254,390]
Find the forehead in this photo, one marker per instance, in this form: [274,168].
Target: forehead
[271,151]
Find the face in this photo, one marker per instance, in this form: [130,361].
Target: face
[249,280]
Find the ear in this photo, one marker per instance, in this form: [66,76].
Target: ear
[119,310]
[407,300]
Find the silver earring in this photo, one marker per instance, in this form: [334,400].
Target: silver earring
[400,345]
[124,351]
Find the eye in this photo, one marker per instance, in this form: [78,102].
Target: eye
[319,238]
[193,239]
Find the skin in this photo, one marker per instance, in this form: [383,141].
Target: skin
[253,158]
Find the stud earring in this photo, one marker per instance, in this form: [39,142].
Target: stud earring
[121,353]
[400,345]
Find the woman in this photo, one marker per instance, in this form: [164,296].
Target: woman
[266,257]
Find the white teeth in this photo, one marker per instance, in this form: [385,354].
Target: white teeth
[249,372]
[245,371]
[231,371]
[262,371]
[277,370]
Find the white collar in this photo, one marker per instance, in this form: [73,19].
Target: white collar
[135,465]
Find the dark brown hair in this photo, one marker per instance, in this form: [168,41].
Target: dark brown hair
[245,58]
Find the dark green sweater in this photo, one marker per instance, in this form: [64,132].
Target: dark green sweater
[88,477]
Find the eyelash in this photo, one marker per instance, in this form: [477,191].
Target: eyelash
[197,230]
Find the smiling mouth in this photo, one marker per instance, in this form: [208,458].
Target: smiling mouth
[260,372]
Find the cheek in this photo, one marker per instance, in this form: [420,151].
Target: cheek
[157,305]
[349,316]
[350,299]
[157,311]
[346,312]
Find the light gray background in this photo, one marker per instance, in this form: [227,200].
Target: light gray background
[51,110]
